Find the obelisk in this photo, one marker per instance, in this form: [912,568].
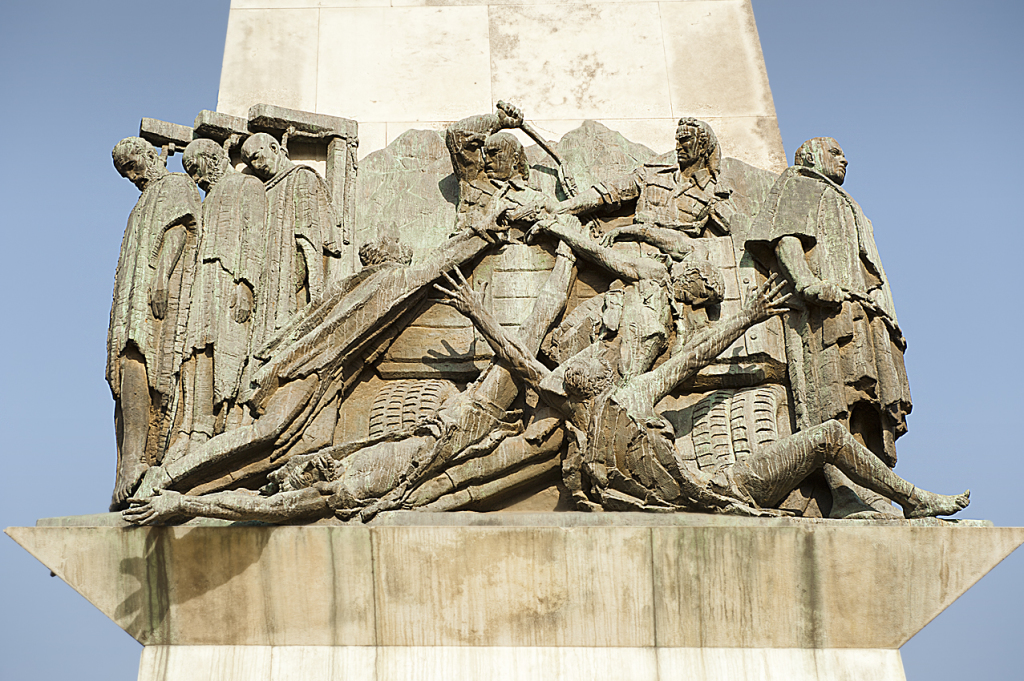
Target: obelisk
[394,65]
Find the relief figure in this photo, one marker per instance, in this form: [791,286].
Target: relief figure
[222,300]
[844,346]
[301,242]
[680,190]
[149,309]
[625,452]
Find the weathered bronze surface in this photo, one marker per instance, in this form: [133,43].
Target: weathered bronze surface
[471,324]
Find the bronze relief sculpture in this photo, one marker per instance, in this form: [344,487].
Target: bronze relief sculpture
[602,355]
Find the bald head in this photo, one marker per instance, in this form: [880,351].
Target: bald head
[265,156]
[824,155]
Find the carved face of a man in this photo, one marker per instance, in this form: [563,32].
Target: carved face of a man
[136,160]
[697,283]
[264,155]
[503,157]
[205,161]
[687,146]
[825,155]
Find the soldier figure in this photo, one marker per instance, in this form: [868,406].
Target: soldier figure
[678,190]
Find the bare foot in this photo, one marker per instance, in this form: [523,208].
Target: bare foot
[924,504]
[128,475]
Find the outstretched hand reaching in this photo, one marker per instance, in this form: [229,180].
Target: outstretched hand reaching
[462,296]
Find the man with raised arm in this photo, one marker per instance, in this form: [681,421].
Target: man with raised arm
[156,265]
[680,190]
[626,451]
[472,436]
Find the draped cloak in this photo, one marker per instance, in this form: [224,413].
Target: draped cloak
[165,203]
[300,221]
[230,252]
[837,357]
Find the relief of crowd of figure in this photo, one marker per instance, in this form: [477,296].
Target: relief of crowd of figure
[238,332]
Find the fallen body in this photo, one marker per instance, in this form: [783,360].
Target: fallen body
[624,456]
[472,431]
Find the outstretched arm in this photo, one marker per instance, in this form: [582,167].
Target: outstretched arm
[669,241]
[470,303]
[233,505]
[703,348]
[627,266]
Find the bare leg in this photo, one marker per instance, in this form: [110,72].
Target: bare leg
[134,407]
[769,474]
[850,500]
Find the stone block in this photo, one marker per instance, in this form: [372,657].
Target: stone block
[513,586]
[686,597]
[420,64]
[403,64]
[219,126]
[768,664]
[516,664]
[270,55]
[603,69]
[220,586]
[716,589]
[245,663]
[159,133]
[715,67]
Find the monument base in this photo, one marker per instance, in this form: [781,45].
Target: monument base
[434,663]
[522,596]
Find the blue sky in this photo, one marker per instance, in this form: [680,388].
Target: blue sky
[925,98]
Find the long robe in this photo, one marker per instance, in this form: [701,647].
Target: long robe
[300,223]
[230,253]
[167,202]
[838,358]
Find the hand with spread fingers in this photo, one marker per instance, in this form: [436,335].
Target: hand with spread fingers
[461,296]
[769,298]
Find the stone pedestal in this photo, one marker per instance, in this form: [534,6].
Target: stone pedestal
[524,596]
